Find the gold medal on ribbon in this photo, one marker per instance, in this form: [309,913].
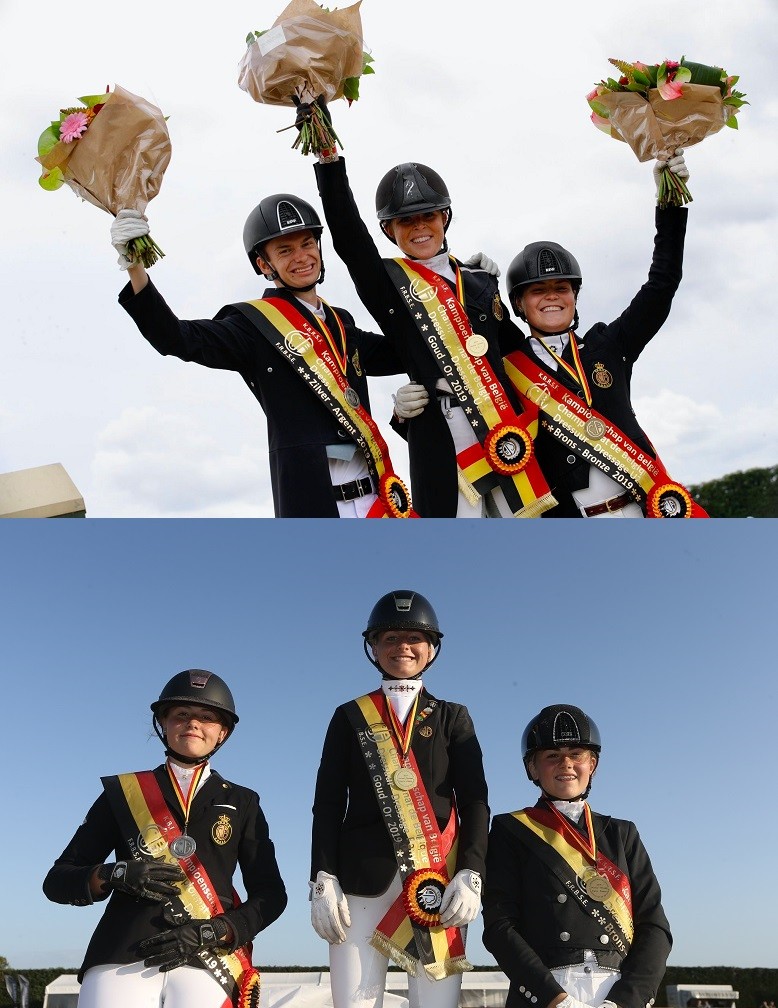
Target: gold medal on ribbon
[476,345]
[597,886]
[404,779]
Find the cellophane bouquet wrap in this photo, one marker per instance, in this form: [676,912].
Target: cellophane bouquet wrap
[658,108]
[309,52]
[112,153]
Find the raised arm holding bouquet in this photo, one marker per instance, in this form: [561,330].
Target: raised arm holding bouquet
[112,152]
[308,53]
[592,449]
[658,108]
[470,446]
[304,361]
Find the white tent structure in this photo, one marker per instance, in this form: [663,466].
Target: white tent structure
[480,989]
[62,992]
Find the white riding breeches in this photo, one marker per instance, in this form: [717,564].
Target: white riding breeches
[137,986]
[358,971]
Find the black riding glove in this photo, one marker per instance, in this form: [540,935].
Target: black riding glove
[180,945]
[150,880]
[305,110]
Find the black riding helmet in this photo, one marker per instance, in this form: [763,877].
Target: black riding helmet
[541,261]
[556,726]
[275,216]
[402,609]
[408,189]
[195,686]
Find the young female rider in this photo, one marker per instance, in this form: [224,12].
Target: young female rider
[572,909]
[469,454]
[400,821]
[174,931]
[594,454]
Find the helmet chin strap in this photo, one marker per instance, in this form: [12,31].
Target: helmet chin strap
[386,675]
[189,760]
[581,797]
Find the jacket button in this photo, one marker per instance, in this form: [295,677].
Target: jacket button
[561,898]
[482,318]
[571,459]
[565,936]
[604,939]
[342,434]
[391,311]
[522,989]
[269,370]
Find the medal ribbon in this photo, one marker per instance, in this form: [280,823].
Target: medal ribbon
[418,844]
[185,801]
[403,732]
[443,324]
[140,794]
[565,416]
[581,855]
[318,363]
[576,374]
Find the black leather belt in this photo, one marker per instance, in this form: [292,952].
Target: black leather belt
[614,504]
[356,488]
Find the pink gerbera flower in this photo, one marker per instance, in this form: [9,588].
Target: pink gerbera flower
[73,126]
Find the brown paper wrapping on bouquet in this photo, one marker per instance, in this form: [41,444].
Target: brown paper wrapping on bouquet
[656,127]
[308,51]
[119,163]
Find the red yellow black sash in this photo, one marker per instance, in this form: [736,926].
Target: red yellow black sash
[409,933]
[319,358]
[593,438]
[503,455]
[600,886]
[148,827]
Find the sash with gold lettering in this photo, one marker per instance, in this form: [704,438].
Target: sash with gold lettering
[600,886]
[320,361]
[504,454]
[409,932]
[148,827]
[593,438]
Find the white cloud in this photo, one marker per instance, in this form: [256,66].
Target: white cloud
[494,102]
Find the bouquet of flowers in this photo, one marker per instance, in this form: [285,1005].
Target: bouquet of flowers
[660,107]
[309,52]
[112,151]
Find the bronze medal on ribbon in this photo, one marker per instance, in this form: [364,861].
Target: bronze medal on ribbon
[352,397]
[477,345]
[405,779]
[594,428]
[597,886]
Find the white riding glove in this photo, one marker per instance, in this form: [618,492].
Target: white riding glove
[127,225]
[410,400]
[329,909]
[481,261]
[675,163]
[571,1002]
[461,899]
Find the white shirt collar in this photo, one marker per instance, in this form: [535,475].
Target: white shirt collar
[401,693]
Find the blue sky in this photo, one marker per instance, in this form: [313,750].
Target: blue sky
[664,632]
